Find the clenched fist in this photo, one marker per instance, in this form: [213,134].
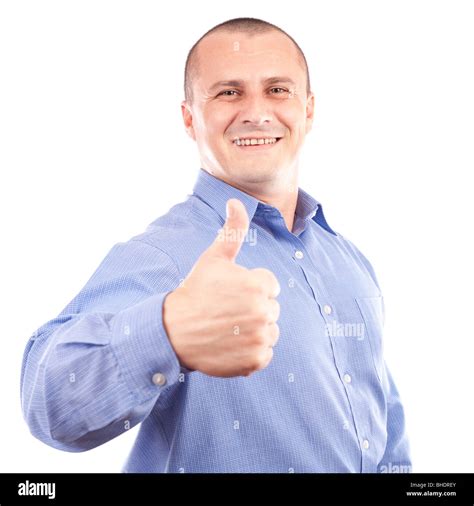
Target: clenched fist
[222,319]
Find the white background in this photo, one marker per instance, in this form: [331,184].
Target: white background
[93,149]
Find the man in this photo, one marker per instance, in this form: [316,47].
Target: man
[177,328]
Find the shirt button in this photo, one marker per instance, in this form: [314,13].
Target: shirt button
[365,444]
[159,379]
[327,309]
[299,254]
[347,378]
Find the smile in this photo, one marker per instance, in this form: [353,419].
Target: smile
[256,141]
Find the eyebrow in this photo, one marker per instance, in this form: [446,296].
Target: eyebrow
[238,83]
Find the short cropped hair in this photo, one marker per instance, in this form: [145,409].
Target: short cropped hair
[249,26]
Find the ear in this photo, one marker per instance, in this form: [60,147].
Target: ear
[309,112]
[188,119]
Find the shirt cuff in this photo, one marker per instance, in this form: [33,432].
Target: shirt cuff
[146,359]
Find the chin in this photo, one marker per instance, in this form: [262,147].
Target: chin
[254,174]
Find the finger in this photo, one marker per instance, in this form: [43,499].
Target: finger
[231,236]
[267,358]
[273,333]
[273,311]
[265,278]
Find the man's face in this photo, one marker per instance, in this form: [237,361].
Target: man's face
[262,95]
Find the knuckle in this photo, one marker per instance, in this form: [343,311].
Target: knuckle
[254,364]
[276,331]
[255,288]
[275,309]
[261,313]
[263,277]
[261,319]
[259,338]
[266,358]
[258,361]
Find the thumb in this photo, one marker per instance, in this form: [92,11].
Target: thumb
[231,236]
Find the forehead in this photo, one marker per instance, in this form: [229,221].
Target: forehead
[223,55]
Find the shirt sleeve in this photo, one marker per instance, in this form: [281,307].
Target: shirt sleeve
[98,368]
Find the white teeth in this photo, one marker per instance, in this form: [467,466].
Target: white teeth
[252,142]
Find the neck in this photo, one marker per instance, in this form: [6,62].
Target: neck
[285,202]
[281,193]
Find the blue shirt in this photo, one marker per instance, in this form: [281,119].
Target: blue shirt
[326,402]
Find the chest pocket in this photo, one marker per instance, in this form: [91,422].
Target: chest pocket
[372,311]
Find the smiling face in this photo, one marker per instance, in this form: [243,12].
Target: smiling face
[249,91]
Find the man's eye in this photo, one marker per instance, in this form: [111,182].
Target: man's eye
[282,90]
[227,93]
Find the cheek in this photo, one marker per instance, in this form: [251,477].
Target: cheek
[217,121]
[294,118]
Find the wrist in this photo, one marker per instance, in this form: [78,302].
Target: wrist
[172,309]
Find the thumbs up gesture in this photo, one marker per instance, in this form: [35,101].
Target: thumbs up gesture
[222,319]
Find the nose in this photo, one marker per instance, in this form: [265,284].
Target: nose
[255,110]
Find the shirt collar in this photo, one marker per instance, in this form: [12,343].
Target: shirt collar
[215,192]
